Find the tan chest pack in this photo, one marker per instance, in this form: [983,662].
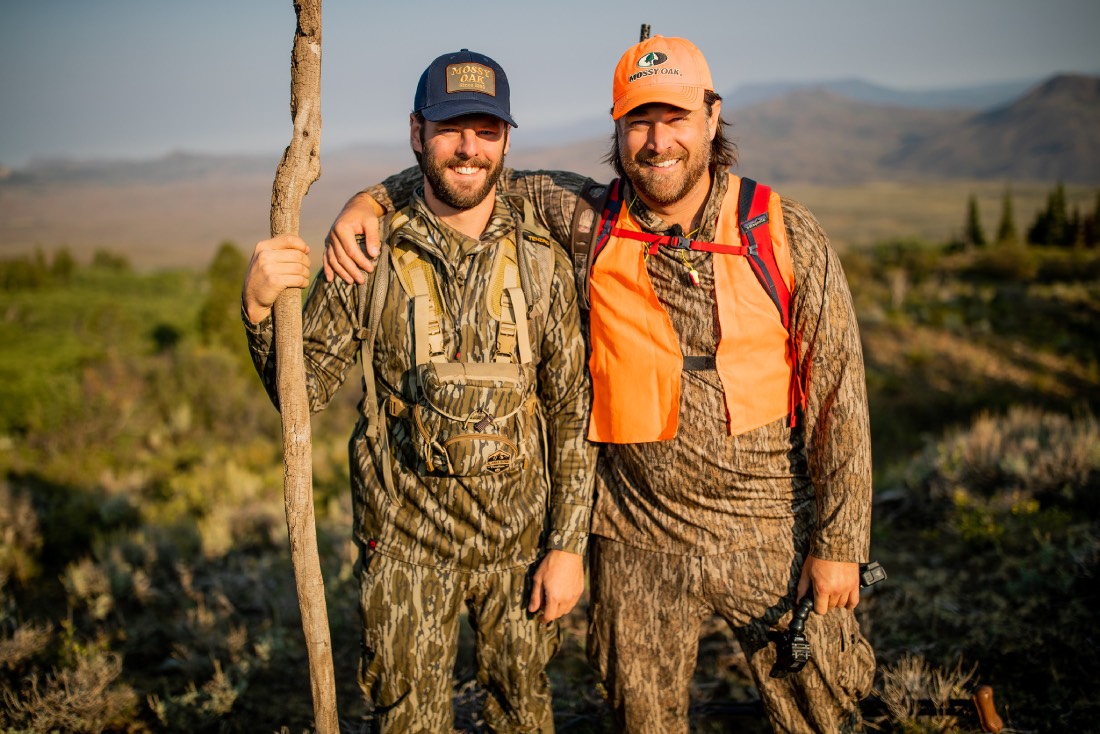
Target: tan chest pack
[464,418]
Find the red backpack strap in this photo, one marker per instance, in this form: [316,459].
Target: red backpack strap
[752,221]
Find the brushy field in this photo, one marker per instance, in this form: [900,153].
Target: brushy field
[145,583]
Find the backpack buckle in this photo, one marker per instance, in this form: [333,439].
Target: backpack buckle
[679,242]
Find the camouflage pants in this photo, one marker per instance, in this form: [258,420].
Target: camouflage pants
[645,617]
[410,618]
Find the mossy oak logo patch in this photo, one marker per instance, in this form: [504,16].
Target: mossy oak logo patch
[648,65]
[498,461]
[470,77]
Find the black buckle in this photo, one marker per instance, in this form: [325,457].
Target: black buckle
[679,242]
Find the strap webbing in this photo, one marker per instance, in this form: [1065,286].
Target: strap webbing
[518,306]
[656,241]
[584,230]
[699,364]
[607,219]
[426,330]
[372,299]
[752,216]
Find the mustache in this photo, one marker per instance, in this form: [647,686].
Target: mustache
[456,162]
[655,158]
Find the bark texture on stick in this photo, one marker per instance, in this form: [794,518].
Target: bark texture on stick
[299,168]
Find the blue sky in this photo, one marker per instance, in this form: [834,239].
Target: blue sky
[140,78]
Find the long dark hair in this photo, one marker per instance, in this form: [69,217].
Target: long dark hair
[723,151]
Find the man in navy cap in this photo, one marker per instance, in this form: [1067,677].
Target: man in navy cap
[471,476]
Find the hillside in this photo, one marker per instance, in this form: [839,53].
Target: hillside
[816,136]
[1049,133]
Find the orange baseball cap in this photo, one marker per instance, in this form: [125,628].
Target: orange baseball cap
[659,69]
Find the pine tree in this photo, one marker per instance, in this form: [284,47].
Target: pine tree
[973,236]
[1074,227]
[1058,233]
[1006,230]
[1090,228]
[1051,224]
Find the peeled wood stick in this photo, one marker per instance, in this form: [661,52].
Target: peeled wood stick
[299,168]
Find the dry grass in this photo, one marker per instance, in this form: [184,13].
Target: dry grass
[911,680]
[861,215]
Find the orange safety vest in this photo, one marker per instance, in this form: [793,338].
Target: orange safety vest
[636,361]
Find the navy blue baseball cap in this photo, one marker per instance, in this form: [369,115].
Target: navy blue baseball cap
[463,83]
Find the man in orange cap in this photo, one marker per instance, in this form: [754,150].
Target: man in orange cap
[728,398]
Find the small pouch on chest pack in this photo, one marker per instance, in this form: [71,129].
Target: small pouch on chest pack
[470,419]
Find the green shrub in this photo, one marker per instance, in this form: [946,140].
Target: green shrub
[994,553]
[1008,262]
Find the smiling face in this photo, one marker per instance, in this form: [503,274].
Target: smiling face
[665,151]
[461,158]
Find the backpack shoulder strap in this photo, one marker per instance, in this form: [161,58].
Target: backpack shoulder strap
[752,224]
[372,299]
[597,207]
[535,256]
[418,280]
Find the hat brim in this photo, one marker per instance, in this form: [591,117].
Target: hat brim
[453,108]
[683,96]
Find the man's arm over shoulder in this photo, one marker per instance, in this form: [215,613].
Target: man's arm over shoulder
[836,423]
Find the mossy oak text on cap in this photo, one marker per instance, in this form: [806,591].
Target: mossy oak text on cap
[471,78]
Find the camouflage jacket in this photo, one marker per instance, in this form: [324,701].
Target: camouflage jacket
[704,492]
[470,523]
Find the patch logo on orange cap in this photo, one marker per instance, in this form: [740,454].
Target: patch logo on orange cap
[653,58]
[471,77]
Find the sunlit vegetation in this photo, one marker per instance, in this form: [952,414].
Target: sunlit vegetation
[145,583]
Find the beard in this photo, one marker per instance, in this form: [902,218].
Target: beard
[661,189]
[455,194]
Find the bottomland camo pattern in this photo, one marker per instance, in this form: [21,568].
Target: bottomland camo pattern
[699,492]
[437,542]
[410,620]
[710,523]
[645,617]
[468,522]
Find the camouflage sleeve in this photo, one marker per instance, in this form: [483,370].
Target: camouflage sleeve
[396,191]
[552,193]
[837,427]
[328,341]
[566,397]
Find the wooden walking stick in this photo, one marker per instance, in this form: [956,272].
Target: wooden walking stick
[299,168]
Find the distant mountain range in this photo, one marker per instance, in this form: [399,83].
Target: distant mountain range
[1052,132]
[853,132]
[838,132]
[974,97]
